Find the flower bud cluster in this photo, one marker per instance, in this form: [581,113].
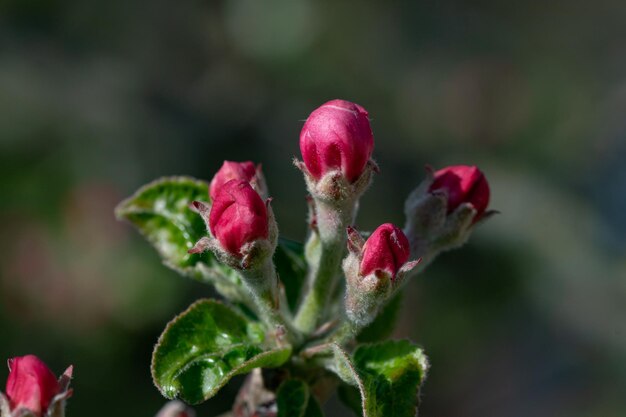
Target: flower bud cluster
[33,390]
[336,143]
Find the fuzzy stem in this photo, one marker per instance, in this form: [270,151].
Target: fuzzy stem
[262,281]
[329,245]
[421,248]
[345,333]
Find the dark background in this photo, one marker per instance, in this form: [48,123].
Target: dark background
[100,97]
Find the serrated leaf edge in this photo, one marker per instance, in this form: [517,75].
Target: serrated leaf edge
[338,351]
[123,208]
[227,376]
[419,355]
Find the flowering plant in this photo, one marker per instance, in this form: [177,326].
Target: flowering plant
[300,320]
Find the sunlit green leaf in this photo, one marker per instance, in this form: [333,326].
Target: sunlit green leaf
[160,211]
[205,346]
[388,376]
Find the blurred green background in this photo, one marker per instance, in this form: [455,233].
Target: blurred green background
[100,97]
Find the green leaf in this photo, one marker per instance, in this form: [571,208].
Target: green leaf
[382,327]
[205,346]
[291,267]
[348,373]
[394,372]
[292,398]
[160,211]
[295,400]
[388,376]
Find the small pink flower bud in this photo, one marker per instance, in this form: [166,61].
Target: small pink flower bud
[374,270]
[463,184]
[337,136]
[31,385]
[387,249]
[238,216]
[231,171]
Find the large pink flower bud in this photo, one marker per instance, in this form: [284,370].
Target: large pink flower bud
[386,250]
[337,136]
[231,170]
[463,184]
[31,385]
[238,216]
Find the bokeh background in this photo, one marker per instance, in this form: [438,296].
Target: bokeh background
[100,97]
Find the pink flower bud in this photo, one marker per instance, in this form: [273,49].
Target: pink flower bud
[387,249]
[231,171]
[238,216]
[31,385]
[337,136]
[463,184]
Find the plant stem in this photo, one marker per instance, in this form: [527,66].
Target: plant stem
[346,332]
[328,244]
[262,282]
[421,248]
